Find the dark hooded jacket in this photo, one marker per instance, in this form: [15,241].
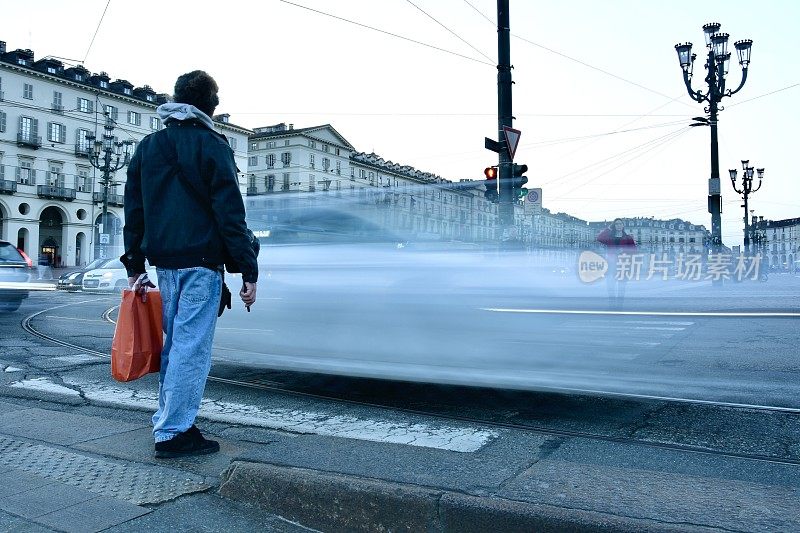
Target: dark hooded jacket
[183,207]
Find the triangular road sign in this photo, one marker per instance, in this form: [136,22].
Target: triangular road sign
[512,140]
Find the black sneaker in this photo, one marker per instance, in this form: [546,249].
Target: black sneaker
[190,442]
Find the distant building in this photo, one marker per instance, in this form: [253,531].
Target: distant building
[50,196]
[779,242]
[283,159]
[661,237]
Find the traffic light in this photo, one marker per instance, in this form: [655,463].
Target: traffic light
[518,180]
[491,193]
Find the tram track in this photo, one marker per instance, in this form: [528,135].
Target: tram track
[277,387]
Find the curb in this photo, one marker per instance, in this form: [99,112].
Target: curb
[333,502]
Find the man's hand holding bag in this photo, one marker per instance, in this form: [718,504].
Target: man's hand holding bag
[138,337]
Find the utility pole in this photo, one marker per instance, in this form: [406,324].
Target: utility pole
[504,113]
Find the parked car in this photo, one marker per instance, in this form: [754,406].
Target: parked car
[110,277]
[72,281]
[15,274]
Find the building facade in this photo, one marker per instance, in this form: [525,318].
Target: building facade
[420,205]
[779,243]
[50,194]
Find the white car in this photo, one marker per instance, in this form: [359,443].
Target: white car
[111,277]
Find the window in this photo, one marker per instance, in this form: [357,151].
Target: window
[155,123]
[28,128]
[56,132]
[270,182]
[271,144]
[2,121]
[325,148]
[103,84]
[232,142]
[252,160]
[55,175]
[134,118]
[338,167]
[285,186]
[82,180]
[25,173]
[311,160]
[312,144]
[81,142]
[326,164]
[338,152]
[111,111]
[312,183]
[85,105]
[57,99]
[270,160]
[286,158]
[27,91]
[286,142]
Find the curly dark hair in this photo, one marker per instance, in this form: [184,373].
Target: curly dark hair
[199,89]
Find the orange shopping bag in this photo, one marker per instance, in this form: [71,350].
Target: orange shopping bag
[138,337]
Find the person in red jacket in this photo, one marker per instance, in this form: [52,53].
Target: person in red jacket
[616,242]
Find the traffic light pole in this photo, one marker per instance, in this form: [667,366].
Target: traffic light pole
[504,113]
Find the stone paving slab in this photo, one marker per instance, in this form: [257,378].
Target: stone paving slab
[13,482]
[97,514]
[58,427]
[44,499]
[11,523]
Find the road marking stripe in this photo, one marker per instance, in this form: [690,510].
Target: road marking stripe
[445,437]
[642,313]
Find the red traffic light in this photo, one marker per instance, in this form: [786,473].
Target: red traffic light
[490,173]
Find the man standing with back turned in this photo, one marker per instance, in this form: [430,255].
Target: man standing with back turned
[184,214]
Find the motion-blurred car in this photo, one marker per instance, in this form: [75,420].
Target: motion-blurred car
[111,277]
[72,281]
[15,274]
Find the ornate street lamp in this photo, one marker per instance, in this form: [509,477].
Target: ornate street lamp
[745,191]
[108,155]
[717,61]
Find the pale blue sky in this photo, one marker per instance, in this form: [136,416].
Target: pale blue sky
[280,63]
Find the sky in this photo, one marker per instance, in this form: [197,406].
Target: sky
[598,94]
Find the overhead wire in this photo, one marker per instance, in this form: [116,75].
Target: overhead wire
[449,30]
[388,33]
[95,31]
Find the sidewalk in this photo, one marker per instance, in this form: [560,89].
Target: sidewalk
[67,465]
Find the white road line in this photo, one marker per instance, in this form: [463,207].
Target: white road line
[654,322]
[643,313]
[622,327]
[427,435]
[75,319]
[245,329]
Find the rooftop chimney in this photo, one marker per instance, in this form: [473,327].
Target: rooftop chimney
[291,126]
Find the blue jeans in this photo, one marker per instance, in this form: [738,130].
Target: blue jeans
[190,299]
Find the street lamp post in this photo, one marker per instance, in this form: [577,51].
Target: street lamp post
[108,155]
[717,62]
[746,190]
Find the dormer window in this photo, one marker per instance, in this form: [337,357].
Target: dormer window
[78,77]
[126,90]
[21,61]
[51,70]
[103,84]
[150,98]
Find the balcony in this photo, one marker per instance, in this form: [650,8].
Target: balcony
[82,149]
[28,140]
[115,200]
[55,193]
[8,187]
